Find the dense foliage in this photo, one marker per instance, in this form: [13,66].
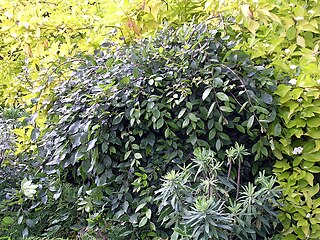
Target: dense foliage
[37,40]
[130,114]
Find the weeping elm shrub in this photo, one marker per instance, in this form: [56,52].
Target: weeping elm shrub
[130,114]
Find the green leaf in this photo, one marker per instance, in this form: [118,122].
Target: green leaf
[159,123]
[212,133]
[308,81]
[282,90]
[137,156]
[148,213]
[202,143]
[226,109]
[211,109]
[30,223]
[313,190]
[192,117]
[218,126]
[91,144]
[250,122]
[277,130]
[206,93]
[224,136]
[135,73]
[240,128]
[218,82]
[313,122]
[291,33]
[182,111]
[25,232]
[126,155]
[117,119]
[124,81]
[290,237]
[74,127]
[218,144]
[189,105]
[309,177]
[105,146]
[193,139]
[185,122]
[143,221]
[301,42]
[7,221]
[222,96]
[313,133]
[253,26]
[135,146]
[267,98]
[35,134]
[140,206]
[156,114]
[312,157]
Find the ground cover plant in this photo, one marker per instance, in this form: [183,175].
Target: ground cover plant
[132,113]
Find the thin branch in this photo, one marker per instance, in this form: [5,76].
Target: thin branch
[238,180]
[246,91]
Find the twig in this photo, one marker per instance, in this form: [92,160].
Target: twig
[246,91]
[238,180]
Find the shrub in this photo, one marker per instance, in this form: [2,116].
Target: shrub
[132,113]
[296,134]
[196,202]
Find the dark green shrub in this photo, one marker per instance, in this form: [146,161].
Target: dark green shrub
[132,113]
[27,204]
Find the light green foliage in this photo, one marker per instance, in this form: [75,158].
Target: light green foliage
[34,34]
[298,149]
[288,35]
